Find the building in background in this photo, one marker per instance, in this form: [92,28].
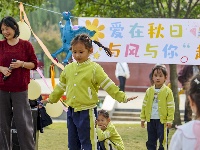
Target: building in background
[139,75]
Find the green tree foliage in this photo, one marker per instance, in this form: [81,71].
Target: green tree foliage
[49,13]
[143,9]
[45,16]
[138,8]
[66,5]
[111,8]
[11,7]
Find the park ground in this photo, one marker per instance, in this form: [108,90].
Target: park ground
[55,136]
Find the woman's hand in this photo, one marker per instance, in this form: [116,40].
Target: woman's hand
[6,71]
[17,64]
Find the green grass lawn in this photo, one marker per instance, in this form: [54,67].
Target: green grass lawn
[55,137]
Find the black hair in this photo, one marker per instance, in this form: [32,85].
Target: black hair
[85,39]
[194,92]
[104,113]
[161,68]
[10,22]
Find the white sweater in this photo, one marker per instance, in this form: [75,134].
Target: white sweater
[122,69]
[186,137]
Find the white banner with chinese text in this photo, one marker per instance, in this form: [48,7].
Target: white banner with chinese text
[142,40]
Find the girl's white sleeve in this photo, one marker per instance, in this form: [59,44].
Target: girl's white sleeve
[176,141]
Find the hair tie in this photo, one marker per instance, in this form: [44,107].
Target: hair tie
[107,50]
[197,81]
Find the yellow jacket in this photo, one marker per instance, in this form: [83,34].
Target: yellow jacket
[81,82]
[166,107]
[111,134]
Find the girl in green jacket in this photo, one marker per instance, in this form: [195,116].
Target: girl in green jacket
[158,109]
[81,81]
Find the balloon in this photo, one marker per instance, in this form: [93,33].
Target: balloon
[34,90]
[55,109]
[25,32]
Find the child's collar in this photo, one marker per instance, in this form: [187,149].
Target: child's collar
[160,87]
[85,62]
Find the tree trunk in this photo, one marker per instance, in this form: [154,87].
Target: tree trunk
[174,87]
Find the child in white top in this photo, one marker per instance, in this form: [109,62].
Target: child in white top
[187,136]
[122,73]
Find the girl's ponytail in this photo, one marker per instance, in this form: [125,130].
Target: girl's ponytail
[107,50]
[85,39]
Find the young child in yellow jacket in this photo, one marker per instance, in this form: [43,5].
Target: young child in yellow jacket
[108,137]
[158,109]
[81,81]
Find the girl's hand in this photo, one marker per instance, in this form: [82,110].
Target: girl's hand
[103,127]
[44,101]
[142,124]
[131,98]
[169,125]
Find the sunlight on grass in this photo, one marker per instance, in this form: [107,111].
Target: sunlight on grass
[55,137]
